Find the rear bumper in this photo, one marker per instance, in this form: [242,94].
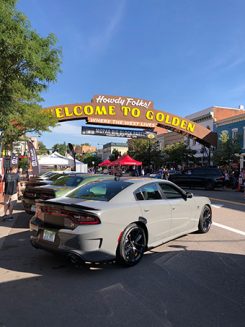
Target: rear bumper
[28,204]
[87,244]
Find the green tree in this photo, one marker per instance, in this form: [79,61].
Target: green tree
[42,148]
[28,63]
[91,159]
[60,148]
[114,155]
[227,149]
[179,153]
[147,151]
[24,164]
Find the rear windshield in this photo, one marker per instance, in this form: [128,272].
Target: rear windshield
[72,181]
[99,191]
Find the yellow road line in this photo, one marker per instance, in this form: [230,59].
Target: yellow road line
[228,201]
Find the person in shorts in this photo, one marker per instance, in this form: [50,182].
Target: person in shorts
[11,191]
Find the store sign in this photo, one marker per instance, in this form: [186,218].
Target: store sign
[131,112]
[112,132]
[122,101]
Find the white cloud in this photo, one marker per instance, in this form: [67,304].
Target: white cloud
[226,61]
[100,41]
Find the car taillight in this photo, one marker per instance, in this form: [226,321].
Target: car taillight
[85,219]
[46,196]
[76,218]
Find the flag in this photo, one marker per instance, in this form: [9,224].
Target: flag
[33,158]
[14,160]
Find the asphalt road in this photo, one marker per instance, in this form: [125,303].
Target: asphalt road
[196,280]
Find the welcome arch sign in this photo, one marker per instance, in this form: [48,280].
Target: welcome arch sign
[131,112]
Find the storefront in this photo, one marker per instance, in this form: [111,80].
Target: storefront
[234,127]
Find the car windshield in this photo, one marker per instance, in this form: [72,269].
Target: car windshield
[54,177]
[48,173]
[99,191]
[71,181]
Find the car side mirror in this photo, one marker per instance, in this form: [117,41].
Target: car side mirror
[188,195]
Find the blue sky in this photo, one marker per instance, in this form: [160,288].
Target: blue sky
[185,55]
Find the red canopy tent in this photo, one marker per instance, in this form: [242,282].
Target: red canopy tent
[126,160]
[105,163]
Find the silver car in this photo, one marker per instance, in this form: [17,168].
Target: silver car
[119,220]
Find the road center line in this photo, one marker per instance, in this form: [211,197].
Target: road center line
[228,201]
[234,230]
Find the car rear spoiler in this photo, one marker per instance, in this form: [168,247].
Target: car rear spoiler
[81,207]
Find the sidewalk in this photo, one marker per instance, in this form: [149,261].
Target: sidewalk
[5,226]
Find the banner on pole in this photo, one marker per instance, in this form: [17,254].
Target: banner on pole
[33,158]
[14,160]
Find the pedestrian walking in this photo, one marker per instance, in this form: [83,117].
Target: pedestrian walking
[166,173]
[227,179]
[11,192]
[117,173]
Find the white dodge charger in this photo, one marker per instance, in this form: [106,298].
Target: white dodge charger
[120,220]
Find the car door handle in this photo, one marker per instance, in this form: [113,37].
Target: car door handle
[173,208]
[146,210]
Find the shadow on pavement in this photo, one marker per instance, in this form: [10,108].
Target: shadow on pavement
[172,288]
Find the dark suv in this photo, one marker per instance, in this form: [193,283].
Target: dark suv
[210,178]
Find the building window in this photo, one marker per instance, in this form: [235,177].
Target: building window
[234,133]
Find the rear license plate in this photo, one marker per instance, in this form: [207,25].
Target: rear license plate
[48,235]
[33,208]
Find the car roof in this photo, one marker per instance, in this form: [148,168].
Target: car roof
[143,180]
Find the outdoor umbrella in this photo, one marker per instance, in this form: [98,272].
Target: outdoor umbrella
[126,160]
[104,163]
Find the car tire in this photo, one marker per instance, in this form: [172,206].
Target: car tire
[132,245]
[210,185]
[205,220]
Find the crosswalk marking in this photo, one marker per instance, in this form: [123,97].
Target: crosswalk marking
[217,205]
[234,230]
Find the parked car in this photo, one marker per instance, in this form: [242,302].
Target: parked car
[60,187]
[118,219]
[43,180]
[209,178]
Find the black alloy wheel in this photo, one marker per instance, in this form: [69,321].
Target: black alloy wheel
[132,245]
[205,220]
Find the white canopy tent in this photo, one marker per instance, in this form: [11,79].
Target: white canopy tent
[58,162]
